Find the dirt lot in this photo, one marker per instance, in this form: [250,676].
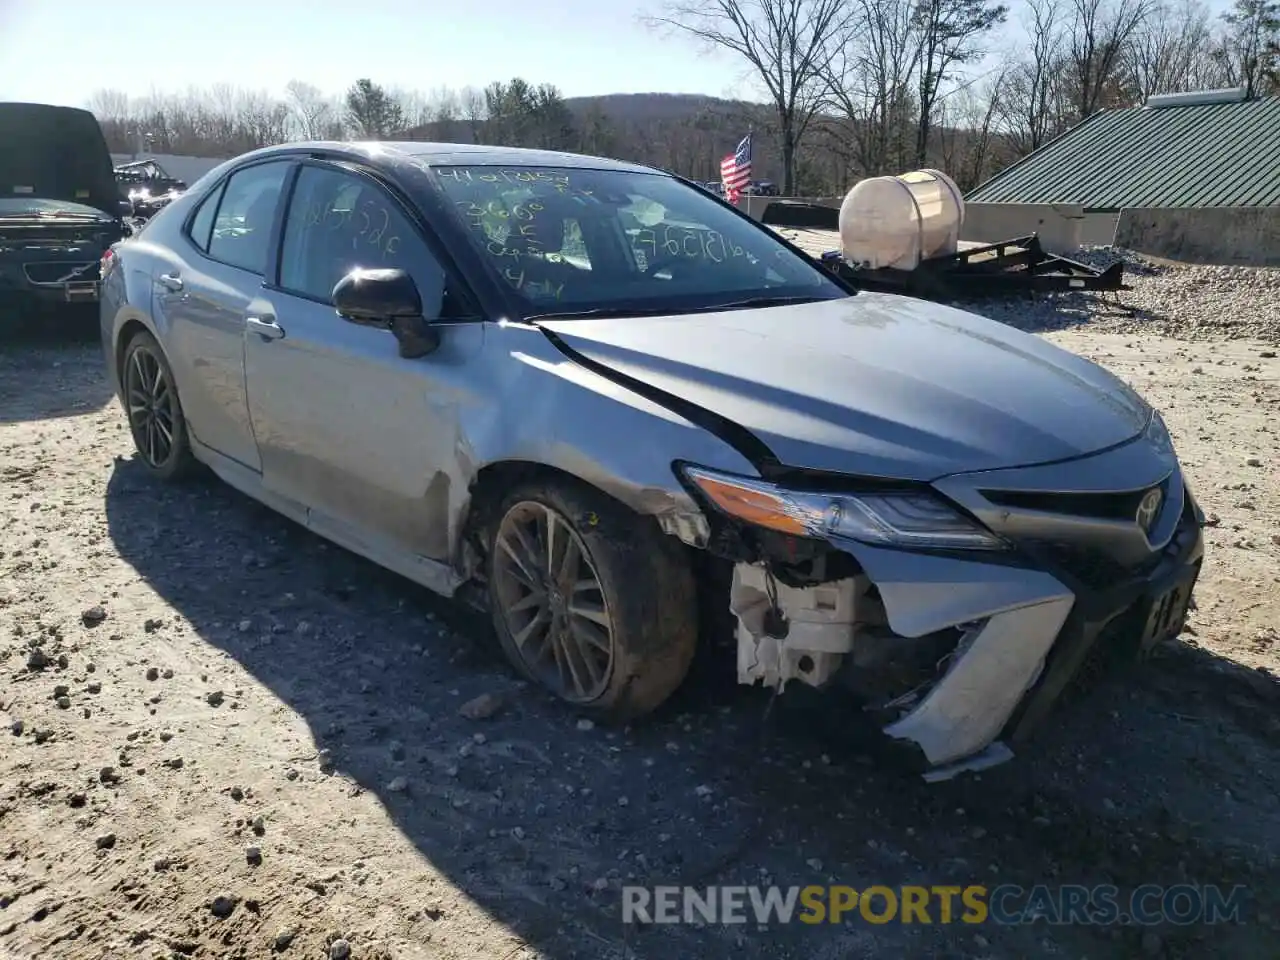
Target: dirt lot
[224,738]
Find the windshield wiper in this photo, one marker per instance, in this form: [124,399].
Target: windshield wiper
[607,312]
[764,302]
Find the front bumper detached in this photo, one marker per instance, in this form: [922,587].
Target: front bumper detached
[1024,626]
[1027,635]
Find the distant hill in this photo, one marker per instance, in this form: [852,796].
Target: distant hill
[641,107]
[690,134]
[685,132]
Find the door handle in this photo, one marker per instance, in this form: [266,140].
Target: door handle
[266,329]
[171,281]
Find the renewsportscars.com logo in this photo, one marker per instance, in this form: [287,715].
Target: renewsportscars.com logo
[1006,904]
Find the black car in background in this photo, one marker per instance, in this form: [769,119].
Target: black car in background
[60,209]
[148,187]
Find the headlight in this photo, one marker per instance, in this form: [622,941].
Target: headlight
[891,519]
[1157,434]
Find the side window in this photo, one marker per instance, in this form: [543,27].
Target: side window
[202,223]
[339,221]
[242,227]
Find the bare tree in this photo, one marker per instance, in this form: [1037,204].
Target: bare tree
[1250,52]
[967,119]
[313,112]
[1170,52]
[786,43]
[1032,102]
[1099,32]
[265,120]
[111,106]
[869,78]
[445,108]
[416,109]
[950,33]
[472,108]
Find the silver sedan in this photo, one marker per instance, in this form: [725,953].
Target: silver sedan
[620,415]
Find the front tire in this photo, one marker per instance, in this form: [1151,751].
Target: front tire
[590,600]
[154,411]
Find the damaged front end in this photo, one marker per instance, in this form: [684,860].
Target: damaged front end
[950,625]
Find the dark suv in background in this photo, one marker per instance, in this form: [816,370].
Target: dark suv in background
[147,186]
[60,210]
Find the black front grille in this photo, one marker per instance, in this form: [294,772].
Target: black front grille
[1089,565]
[1100,506]
[1094,568]
[53,271]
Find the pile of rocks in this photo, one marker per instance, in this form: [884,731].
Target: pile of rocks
[1174,300]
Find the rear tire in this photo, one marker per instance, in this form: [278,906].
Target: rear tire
[589,600]
[154,411]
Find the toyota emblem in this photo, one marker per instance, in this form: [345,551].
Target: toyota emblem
[1149,509]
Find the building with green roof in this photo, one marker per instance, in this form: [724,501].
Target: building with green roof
[1175,151]
[1193,173]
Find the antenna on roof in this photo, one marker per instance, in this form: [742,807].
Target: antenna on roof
[1197,97]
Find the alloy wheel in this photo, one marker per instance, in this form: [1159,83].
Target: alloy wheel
[151,406]
[552,602]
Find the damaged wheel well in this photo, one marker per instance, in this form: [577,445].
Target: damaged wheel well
[492,482]
[711,575]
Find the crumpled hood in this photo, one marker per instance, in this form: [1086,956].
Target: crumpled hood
[876,384]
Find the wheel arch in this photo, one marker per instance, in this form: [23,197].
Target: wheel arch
[645,577]
[491,481]
[125,332]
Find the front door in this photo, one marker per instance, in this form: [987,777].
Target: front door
[366,439]
[204,298]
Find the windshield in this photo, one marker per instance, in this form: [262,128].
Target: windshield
[567,240]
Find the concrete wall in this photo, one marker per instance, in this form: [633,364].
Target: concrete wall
[1099,229]
[754,206]
[1244,236]
[1059,225]
[189,169]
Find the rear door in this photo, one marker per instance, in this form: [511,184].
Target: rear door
[206,297]
[366,439]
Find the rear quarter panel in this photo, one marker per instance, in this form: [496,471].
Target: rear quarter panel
[128,289]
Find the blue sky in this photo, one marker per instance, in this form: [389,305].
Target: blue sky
[582,46]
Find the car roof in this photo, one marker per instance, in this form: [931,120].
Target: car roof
[421,153]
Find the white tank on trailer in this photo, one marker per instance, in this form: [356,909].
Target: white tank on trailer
[899,221]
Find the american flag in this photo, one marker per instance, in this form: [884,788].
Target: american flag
[735,170]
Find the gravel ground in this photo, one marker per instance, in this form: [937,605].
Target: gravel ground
[226,738]
[1167,299]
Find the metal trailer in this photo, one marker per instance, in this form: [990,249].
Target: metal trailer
[1016,266]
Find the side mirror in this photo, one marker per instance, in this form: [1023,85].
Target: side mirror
[387,299]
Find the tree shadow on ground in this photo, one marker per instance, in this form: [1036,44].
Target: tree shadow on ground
[709,791]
